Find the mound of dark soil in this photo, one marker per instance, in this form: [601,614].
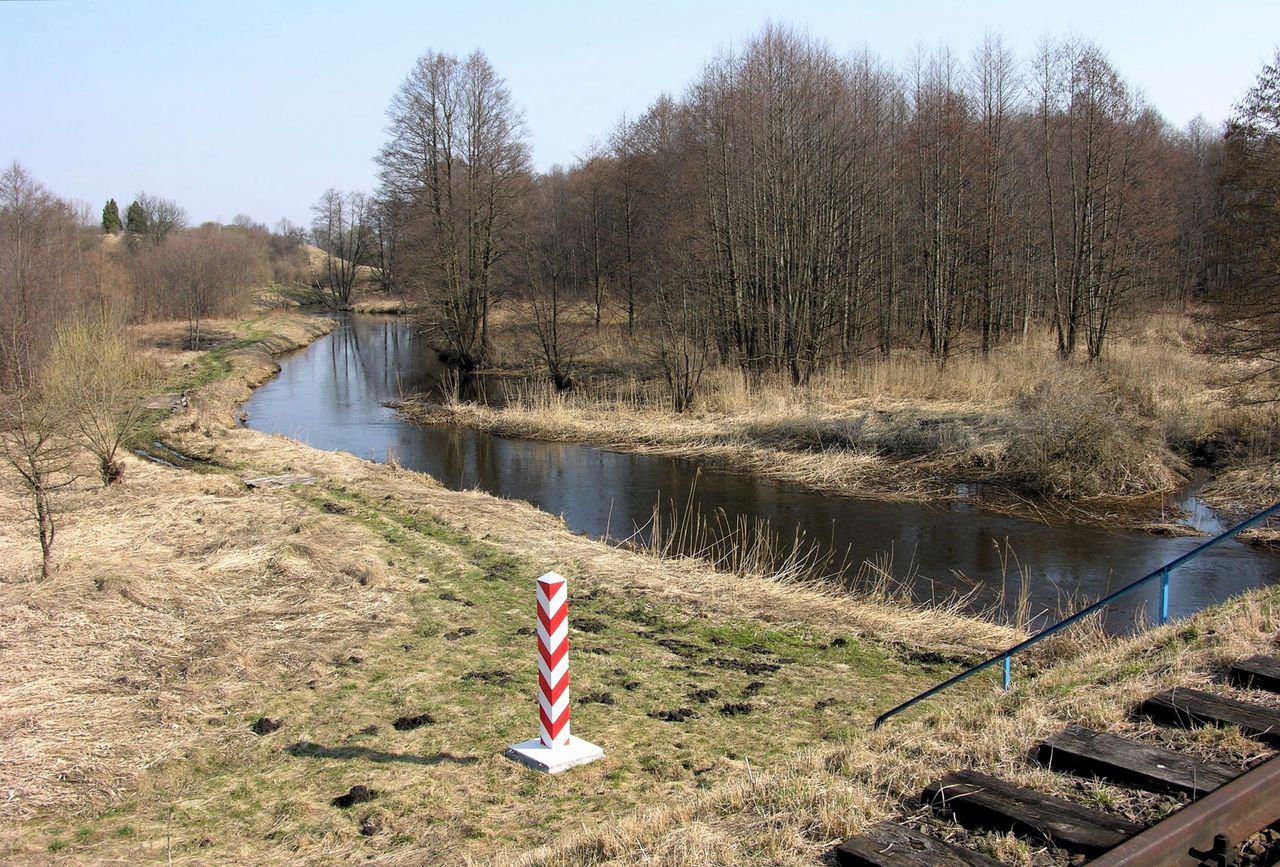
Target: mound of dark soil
[743,665]
[680,714]
[409,723]
[265,725]
[357,795]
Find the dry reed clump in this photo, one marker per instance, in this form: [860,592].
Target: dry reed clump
[1245,490]
[1077,437]
[794,816]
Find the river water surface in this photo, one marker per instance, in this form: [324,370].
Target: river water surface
[331,396]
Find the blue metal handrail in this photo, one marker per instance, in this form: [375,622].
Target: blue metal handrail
[1162,573]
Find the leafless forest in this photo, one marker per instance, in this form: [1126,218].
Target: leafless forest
[798,208]
[794,208]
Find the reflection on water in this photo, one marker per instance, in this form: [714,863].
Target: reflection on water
[331,394]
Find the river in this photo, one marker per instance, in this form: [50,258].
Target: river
[331,395]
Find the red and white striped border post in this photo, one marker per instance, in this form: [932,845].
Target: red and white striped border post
[553,660]
[555,749]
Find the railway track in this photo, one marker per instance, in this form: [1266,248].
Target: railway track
[1227,807]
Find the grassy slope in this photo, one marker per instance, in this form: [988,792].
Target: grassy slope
[793,815]
[185,606]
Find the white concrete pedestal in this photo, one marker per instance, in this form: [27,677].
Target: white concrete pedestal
[553,760]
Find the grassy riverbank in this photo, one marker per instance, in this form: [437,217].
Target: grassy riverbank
[1104,443]
[185,607]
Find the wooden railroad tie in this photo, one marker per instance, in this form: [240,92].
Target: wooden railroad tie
[892,845]
[1192,707]
[980,801]
[1089,753]
[1256,672]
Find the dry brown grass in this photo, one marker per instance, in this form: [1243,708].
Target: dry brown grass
[181,602]
[378,303]
[175,596]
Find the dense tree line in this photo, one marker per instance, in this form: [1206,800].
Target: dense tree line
[1244,254]
[796,208]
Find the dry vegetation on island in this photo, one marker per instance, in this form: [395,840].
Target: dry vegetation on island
[1102,442]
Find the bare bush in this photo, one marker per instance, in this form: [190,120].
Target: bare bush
[1074,438]
[100,382]
[204,273]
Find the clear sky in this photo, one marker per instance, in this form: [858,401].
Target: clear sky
[256,107]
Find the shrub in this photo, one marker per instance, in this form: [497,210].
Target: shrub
[1079,436]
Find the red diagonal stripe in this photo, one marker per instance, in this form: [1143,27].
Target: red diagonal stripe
[552,623]
[550,590]
[553,693]
[554,728]
[552,657]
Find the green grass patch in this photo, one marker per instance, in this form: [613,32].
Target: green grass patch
[677,702]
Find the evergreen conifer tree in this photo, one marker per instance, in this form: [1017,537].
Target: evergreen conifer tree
[135,222]
[110,217]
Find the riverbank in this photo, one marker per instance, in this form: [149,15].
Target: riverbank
[1018,431]
[383,620]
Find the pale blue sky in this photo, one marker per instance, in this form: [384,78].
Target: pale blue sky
[256,107]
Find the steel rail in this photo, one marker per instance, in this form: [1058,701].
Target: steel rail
[1237,810]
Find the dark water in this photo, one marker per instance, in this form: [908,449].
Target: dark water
[331,394]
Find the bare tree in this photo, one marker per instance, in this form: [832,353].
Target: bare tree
[204,273]
[777,198]
[35,443]
[386,225]
[994,86]
[457,163]
[684,341]
[41,273]
[1249,326]
[942,179]
[593,226]
[559,270]
[341,230]
[624,185]
[164,217]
